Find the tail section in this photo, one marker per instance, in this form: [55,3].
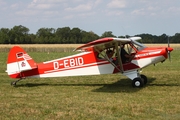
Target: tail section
[19,61]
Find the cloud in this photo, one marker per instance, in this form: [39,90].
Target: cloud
[117,4]
[44,6]
[98,12]
[27,12]
[155,9]
[68,17]
[174,10]
[114,13]
[39,5]
[86,14]
[14,6]
[97,2]
[48,1]
[139,12]
[2,2]
[80,8]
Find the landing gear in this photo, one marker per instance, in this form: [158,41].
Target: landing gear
[13,83]
[144,78]
[139,81]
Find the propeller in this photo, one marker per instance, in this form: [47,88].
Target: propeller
[169,49]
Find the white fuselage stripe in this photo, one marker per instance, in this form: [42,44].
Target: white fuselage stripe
[76,67]
[91,70]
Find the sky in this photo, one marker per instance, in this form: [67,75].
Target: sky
[122,17]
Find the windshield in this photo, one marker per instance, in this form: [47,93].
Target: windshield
[138,45]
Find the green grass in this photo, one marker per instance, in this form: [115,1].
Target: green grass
[107,97]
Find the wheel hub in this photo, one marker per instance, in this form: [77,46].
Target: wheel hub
[137,83]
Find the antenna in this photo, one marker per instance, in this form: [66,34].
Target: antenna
[124,31]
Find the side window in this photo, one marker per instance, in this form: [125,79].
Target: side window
[129,49]
[101,54]
[106,53]
[137,47]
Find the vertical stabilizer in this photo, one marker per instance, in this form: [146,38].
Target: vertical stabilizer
[19,61]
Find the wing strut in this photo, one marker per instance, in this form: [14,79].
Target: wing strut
[108,60]
[118,56]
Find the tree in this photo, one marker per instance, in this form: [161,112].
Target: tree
[162,39]
[84,37]
[63,34]
[107,34]
[146,38]
[75,36]
[4,36]
[175,38]
[44,35]
[18,34]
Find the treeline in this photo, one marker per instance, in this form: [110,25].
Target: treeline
[20,35]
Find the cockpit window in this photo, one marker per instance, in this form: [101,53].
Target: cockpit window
[106,53]
[129,49]
[138,45]
[101,54]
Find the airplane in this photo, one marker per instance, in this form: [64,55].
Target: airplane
[92,59]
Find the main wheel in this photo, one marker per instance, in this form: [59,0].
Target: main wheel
[137,82]
[144,78]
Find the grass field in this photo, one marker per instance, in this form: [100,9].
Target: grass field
[103,97]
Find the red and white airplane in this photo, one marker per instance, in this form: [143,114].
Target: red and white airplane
[92,60]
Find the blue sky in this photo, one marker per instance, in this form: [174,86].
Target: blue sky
[122,17]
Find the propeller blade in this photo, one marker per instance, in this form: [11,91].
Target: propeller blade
[169,55]
[169,50]
[168,43]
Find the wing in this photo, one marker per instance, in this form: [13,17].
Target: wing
[107,42]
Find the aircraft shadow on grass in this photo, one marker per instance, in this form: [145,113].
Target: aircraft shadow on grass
[165,84]
[122,85]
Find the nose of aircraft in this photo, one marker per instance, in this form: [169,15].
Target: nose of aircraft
[170,49]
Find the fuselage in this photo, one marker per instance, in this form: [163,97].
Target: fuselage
[92,60]
[87,63]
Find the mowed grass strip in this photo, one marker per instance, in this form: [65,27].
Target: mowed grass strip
[108,97]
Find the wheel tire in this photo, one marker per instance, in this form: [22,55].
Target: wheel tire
[144,78]
[137,82]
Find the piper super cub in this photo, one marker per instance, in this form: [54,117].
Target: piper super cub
[102,56]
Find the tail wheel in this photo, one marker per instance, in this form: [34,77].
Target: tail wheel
[137,82]
[144,78]
[13,83]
